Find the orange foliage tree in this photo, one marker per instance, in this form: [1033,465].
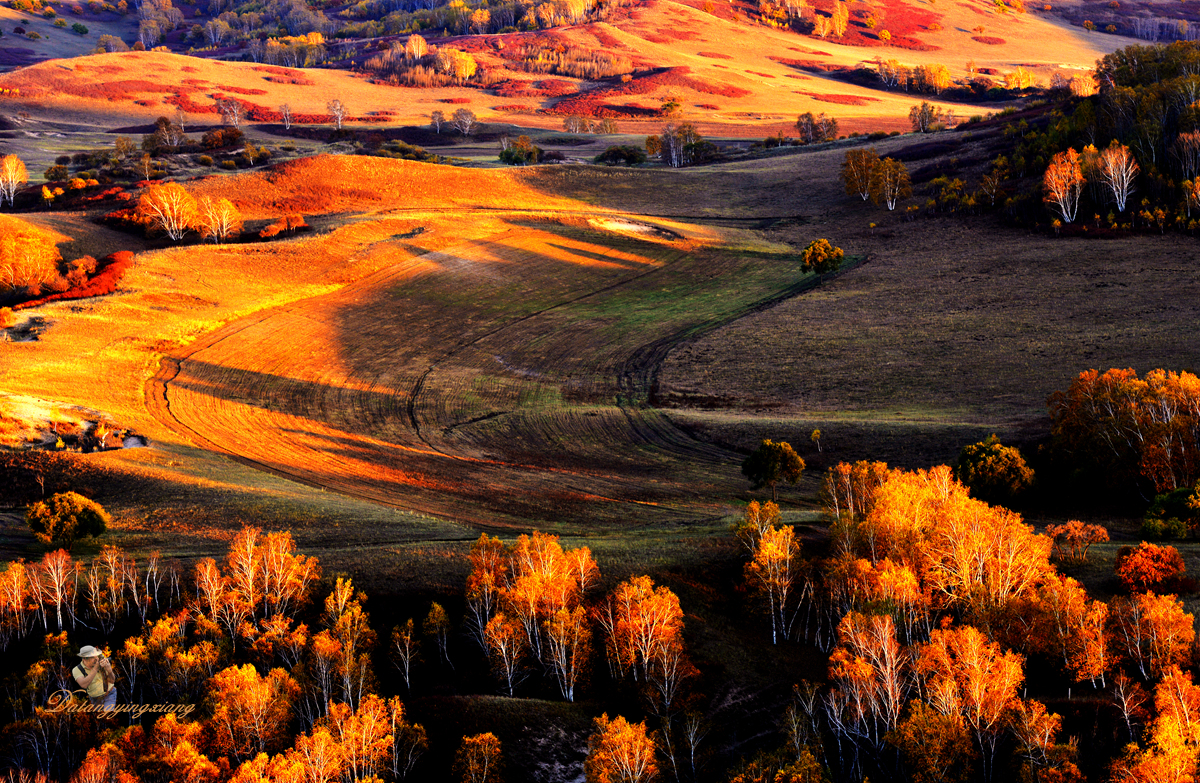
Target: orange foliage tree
[644,629]
[620,752]
[250,713]
[1132,428]
[1072,540]
[961,671]
[478,759]
[169,208]
[538,586]
[1063,183]
[1151,631]
[1148,567]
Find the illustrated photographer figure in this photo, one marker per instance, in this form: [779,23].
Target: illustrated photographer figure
[95,675]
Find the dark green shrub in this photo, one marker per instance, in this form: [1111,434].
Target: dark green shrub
[56,173]
[622,155]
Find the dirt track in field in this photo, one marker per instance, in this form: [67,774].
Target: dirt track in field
[499,381]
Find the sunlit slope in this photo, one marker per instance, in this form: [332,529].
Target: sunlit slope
[735,76]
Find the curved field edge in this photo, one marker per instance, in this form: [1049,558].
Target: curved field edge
[500,382]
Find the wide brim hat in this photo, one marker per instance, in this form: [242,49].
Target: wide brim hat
[89,652]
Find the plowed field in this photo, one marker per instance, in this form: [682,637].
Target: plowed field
[496,381]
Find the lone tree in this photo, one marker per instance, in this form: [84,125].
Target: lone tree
[66,517]
[994,473]
[772,462]
[464,120]
[337,110]
[12,176]
[821,257]
[478,759]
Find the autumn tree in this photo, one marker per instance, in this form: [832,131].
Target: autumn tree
[813,129]
[758,519]
[437,119]
[218,218]
[485,583]
[285,114]
[849,489]
[478,759]
[644,629]
[1174,736]
[773,573]
[1063,183]
[925,117]
[415,47]
[437,627]
[506,648]
[1151,631]
[464,120]
[1131,429]
[404,650]
[936,747]
[620,752]
[250,713]
[871,674]
[337,110]
[965,673]
[12,176]
[65,517]
[230,110]
[568,647]
[856,172]
[1073,539]
[821,257]
[1117,169]
[890,183]
[771,463]
[1148,567]
[56,584]
[994,473]
[169,208]
[28,257]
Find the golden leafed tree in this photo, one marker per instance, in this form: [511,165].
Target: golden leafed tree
[12,176]
[890,183]
[28,256]
[250,712]
[620,752]
[218,219]
[478,759]
[856,172]
[169,208]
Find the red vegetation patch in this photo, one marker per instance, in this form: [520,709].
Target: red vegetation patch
[455,100]
[845,100]
[263,114]
[593,103]
[185,102]
[990,40]
[902,20]
[764,75]
[546,88]
[190,69]
[658,39]
[806,50]
[514,108]
[111,270]
[715,55]
[709,106]
[243,90]
[811,65]
[146,103]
